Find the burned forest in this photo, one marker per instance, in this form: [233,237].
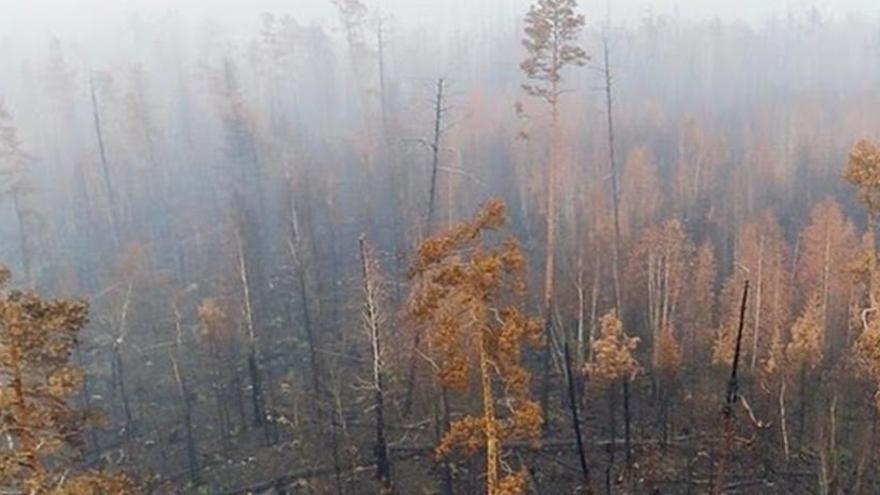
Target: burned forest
[439,247]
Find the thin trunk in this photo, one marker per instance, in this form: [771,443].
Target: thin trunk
[105,168]
[576,421]
[252,358]
[429,226]
[185,399]
[581,311]
[192,455]
[117,360]
[237,387]
[435,154]
[491,425]
[594,309]
[783,423]
[295,254]
[372,322]
[730,398]
[615,190]
[120,378]
[627,442]
[612,427]
[380,42]
[758,292]
[550,250]
[86,395]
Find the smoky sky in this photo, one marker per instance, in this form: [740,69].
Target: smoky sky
[79,17]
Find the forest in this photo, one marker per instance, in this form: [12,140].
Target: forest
[545,251]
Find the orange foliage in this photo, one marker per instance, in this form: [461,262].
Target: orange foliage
[37,337]
[863,171]
[613,353]
[460,297]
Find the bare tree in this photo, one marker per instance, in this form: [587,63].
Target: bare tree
[372,321]
[105,167]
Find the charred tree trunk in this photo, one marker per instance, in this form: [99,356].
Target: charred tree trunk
[105,168]
[186,403]
[435,153]
[185,399]
[123,394]
[612,428]
[729,400]
[294,251]
[576,420]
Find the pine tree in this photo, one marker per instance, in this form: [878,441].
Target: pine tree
[552,29]
[461,295]
[41,430]
[863,172]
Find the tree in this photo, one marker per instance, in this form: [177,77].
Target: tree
[110,189]
[373,320]
[641,191]
[219,332]
[461,295]
[762,255]
[613,363]
[667,360]
[699,306]
[37,337]
[661,259]
[804,351]
[551,33]
[14,182]
[863,172]
[827,246]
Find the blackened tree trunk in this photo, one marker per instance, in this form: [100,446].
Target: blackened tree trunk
[576,421]
[105,168]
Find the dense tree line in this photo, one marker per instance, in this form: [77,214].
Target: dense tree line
[570,256]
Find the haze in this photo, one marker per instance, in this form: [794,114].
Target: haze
[500,247]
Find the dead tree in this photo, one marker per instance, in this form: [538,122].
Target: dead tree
[729,401]
[439,110]
[253,360]
[174,355]
[575,419]
[615,187]
[105,168]
[118,368]
[294,251]
[372,321]
[383,102]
